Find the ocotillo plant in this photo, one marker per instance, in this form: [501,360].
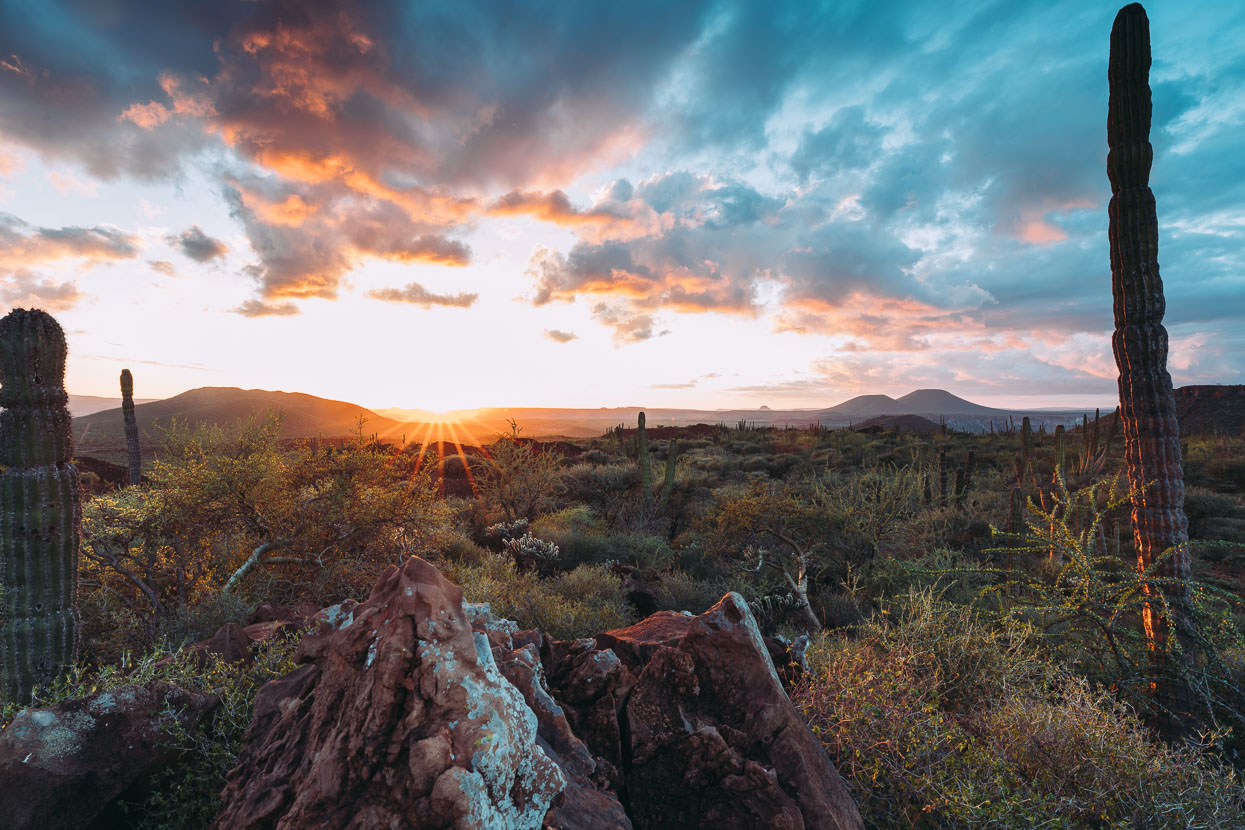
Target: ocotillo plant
[40,512]
[1147,406]
[646,464]
[131,426]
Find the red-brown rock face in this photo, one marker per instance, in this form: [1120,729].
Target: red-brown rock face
[399,718]
[706,737]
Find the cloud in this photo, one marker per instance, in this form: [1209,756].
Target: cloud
[691,384]
[416,294]
[908,182]
[258,308]
[22,243]
[163,266]
[22,288]
[197,245]
[310,257]
[628,326]
[560,336]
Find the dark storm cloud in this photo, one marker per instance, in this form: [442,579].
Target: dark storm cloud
[197,245]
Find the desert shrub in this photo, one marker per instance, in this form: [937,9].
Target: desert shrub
[937,717]
[677,591]
[1088,603]
[203,619]
[586,601]
[578,532]
[838,610]
[959,578]
[604,488]
[1214,515]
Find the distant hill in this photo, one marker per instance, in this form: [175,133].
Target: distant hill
[865,406]
[102,434]
[906,423]
[1209,410]
[924,402]
[942,402]
[89,404]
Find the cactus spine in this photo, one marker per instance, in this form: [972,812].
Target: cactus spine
[131,426]
[646,463]
[40,512]
[1147,406]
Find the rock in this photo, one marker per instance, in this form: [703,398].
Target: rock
[714,740]
[230,644]
[234,643]
[588,802]
[61,766]
[636,644]
[692,713]
[399,718]
[275,612]
[592,685]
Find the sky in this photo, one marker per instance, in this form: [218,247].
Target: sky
[695,204]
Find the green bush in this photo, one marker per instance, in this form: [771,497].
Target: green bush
[586,601]
[939,718]
[677,591]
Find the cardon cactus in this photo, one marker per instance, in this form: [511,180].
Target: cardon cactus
[131,426]
[1147,406]
[646,463]
[40,512]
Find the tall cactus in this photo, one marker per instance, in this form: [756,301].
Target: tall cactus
[1147,406]
[131,426]
[40,513]
[646,464]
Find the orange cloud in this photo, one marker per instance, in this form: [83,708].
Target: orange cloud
[619,221]
[1034,226]
[291,211]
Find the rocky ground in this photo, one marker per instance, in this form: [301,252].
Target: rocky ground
[412,710]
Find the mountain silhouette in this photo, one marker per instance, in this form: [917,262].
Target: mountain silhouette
[102,434]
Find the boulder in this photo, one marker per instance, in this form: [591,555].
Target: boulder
[636,644]
[588,802]
[399,717]
[715,742]
[61,766]
[694,715]
[275,612]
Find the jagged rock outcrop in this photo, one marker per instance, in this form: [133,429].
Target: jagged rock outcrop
[706,735]
[61,766]
[398,718]
[588,802]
